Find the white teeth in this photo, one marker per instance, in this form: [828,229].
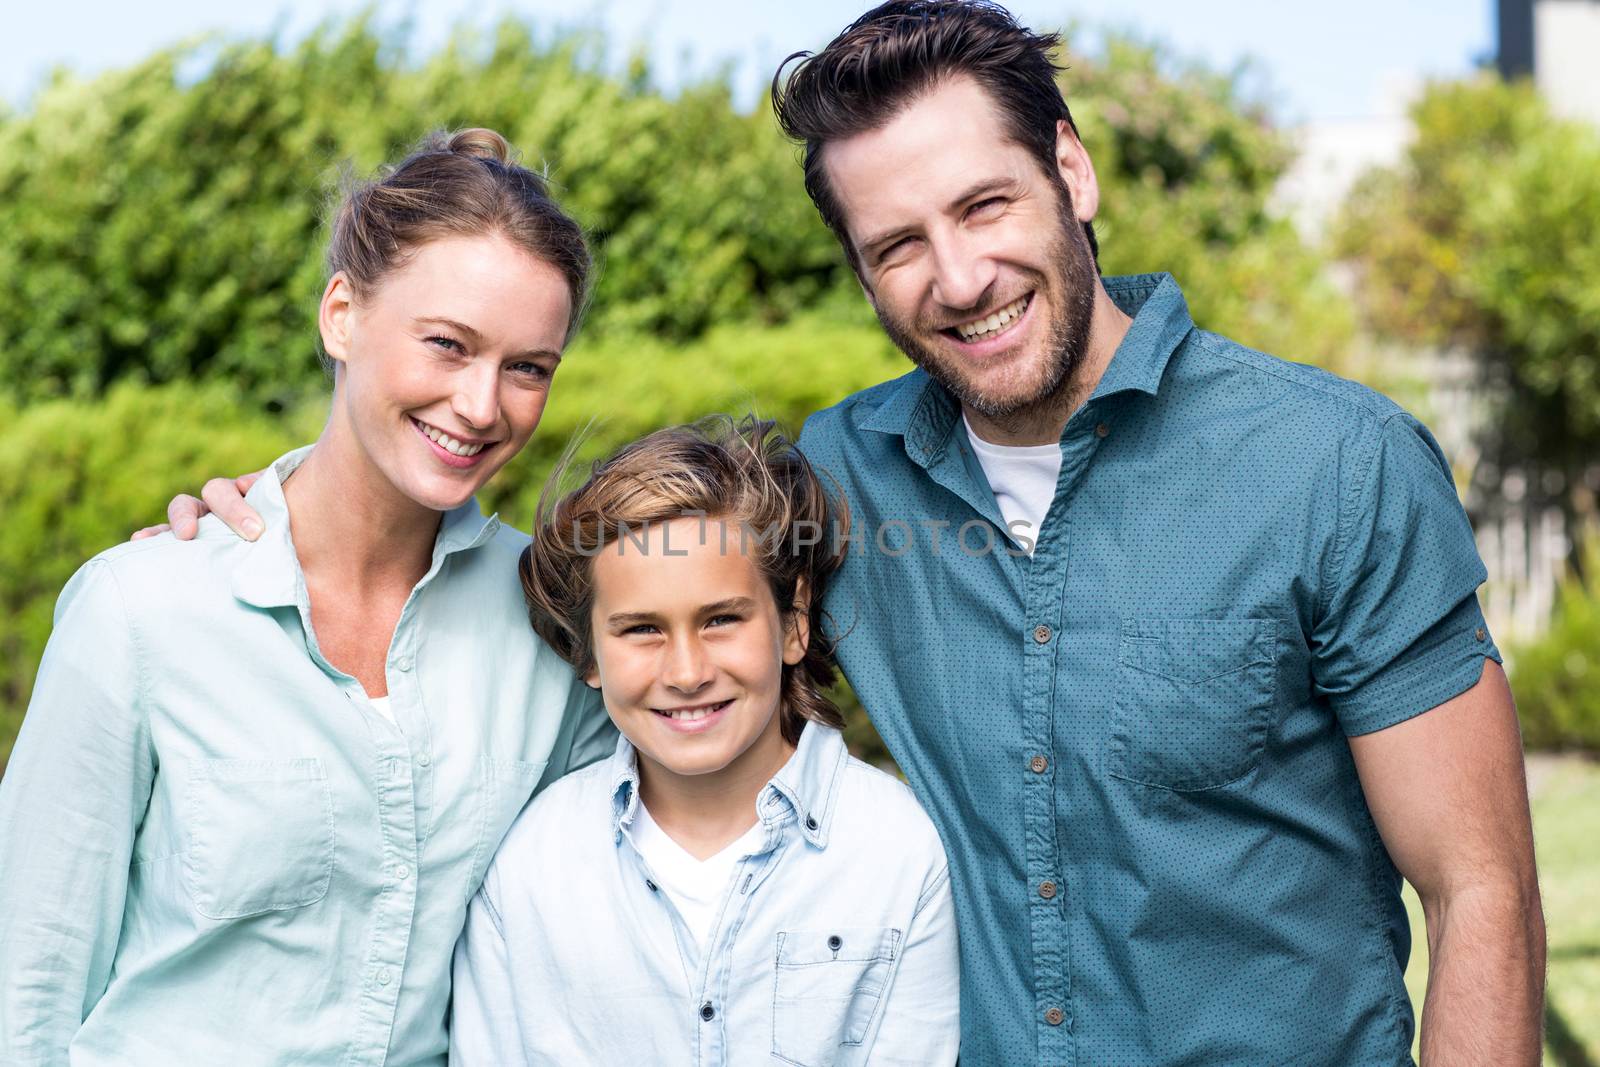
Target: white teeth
[448,443]
[692,714]
[976,329]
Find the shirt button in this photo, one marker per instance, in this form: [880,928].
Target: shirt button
[1041,633]
[1038,765]
[423,760]
[403,663]
[707,1012]
[402,872]
[1480,633]
[1054,1016]
[384,976]
[1102,430]
[1047,890]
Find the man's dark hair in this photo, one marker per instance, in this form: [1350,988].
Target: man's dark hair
[884,60]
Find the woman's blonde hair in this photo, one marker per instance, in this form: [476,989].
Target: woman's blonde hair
[462,184]
[744,473]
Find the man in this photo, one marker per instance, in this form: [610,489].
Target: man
[1177,643]
[1177,753]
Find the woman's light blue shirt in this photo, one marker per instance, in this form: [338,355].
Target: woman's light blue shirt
[214,851]
[835,942]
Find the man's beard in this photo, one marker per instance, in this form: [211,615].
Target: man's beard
[1070,280]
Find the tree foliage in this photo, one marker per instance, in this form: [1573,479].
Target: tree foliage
[165,222]
[1485,236]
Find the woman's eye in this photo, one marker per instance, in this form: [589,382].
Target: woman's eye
[640,628]
[449,344]
[535,371]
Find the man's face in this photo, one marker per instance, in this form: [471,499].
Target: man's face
[971,255]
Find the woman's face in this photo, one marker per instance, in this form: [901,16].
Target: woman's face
[445,368]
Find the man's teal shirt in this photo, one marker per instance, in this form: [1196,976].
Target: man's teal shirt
[1134,742]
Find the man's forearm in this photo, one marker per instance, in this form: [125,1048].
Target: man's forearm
[1485,1002]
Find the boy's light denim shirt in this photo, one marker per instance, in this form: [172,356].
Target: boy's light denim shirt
[215,852]
[835,942]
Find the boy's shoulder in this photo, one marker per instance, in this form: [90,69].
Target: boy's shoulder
[877,810]
[569,815]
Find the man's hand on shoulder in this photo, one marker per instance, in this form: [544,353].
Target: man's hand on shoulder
[222,497]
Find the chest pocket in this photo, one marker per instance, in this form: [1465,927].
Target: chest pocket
[829,988]
[258,836]
[1194,700]
[504,787]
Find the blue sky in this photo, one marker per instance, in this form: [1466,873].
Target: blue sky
[1355,59]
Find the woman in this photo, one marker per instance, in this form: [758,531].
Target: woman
[730,887]
[258,782]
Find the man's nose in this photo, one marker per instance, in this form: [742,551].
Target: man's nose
[962,274]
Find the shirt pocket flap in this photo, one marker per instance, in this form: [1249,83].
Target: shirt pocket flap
[801,948]
[1193,651]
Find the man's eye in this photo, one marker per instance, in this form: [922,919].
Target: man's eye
[988,207]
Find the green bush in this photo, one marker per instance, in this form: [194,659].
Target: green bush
[1483,236]
[1557,678]
[164,222]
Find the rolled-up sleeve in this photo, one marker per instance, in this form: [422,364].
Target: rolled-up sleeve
[74,794]
[1401,630]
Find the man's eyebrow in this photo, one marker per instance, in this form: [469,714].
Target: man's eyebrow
[439,320]
[971,192]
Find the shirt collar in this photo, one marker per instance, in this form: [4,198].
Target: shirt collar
[1161,321]
[805,786]
[921,411]
[269,575]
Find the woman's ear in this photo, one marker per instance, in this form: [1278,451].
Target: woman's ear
[797,624]
[333,317]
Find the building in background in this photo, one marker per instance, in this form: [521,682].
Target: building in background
[1557,43]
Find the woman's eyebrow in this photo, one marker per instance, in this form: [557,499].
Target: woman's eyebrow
[439,320]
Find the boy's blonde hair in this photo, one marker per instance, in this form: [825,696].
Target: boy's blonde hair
[744,473]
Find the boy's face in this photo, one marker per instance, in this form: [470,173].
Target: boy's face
[690,648]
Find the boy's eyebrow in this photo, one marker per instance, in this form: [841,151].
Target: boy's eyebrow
[733,603]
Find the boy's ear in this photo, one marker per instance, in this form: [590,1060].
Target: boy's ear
[797,625]
[592,679]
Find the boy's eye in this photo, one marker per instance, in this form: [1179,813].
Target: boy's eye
[721,620]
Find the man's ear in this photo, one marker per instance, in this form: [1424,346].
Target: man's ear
[333,316]
[1077,170]
[797,625]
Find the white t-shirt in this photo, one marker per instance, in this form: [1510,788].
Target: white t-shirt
[381,706]
[694,886]
[1023,478]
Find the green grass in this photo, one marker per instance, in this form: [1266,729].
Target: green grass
[1566,815]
